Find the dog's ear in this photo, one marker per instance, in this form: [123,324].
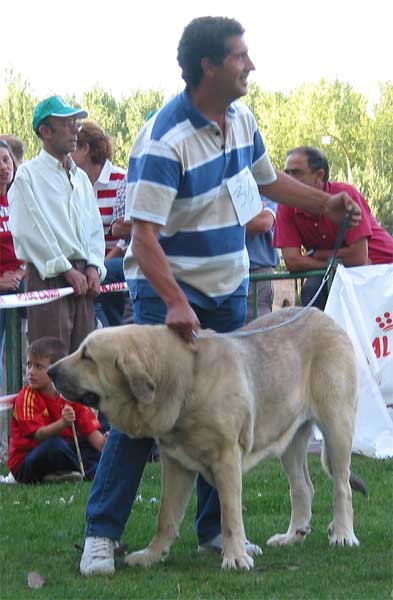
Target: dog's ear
[139,380]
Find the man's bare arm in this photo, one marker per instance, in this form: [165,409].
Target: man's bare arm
[262,223]
[289,191]
[295,261]
[121,229]
[354,255]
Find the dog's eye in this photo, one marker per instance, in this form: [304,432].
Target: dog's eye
[85,355]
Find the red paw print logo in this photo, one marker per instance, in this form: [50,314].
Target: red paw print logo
[386,322]
[381,342]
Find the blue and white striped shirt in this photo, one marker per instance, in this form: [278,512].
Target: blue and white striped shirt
[177,177]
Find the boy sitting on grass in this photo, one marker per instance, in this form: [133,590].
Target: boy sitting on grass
[42,443]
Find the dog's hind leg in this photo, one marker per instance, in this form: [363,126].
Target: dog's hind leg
[333,386]
[177,486]
[294,461]
[336,459]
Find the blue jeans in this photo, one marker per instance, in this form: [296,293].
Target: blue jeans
[123,459]
[56,454]
[109,308]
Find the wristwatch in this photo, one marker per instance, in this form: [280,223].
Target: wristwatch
[96,268]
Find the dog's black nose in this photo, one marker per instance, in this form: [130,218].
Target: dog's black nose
[90,399]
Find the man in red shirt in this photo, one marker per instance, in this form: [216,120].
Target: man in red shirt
[307,240]
[42,443]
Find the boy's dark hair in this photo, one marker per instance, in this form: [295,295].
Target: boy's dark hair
[50,347]
[315,159]
[204,37]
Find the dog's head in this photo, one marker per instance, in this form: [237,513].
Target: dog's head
[108,371]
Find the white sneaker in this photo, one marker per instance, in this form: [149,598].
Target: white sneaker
[217,544]
[9,479]
[98,557]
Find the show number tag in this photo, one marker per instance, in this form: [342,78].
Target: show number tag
[245,196]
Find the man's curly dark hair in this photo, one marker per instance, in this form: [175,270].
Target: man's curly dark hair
[204,37]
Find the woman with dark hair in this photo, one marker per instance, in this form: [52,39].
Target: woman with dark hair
[12,270]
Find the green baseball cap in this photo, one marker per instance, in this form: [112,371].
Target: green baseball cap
[55,106]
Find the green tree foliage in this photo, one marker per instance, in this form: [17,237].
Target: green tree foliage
[378,174]
[311,113]
[122,120]
[302,117]
[134,112]
[16,112]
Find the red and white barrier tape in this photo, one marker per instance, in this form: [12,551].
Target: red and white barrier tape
[7,402]
[45,296]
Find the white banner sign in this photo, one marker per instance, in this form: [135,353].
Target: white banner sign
[361,301]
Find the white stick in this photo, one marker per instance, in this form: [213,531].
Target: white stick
[78,452]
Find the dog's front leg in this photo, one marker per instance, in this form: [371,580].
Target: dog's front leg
[177,485]
[228,478]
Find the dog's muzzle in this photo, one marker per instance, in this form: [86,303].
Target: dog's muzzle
[90,399]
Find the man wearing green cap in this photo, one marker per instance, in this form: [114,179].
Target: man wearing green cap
[57,228]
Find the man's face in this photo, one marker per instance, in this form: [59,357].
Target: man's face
[297,166]
[232,74]
[61,135]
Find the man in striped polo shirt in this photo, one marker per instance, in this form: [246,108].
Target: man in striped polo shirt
[193,183]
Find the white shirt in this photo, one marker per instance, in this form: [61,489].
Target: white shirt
[54,218]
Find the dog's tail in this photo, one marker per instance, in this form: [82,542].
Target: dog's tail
[357,484]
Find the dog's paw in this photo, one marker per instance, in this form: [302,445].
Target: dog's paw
[143,558]
[238,562]
[252,549]
[287,539]
[347,538]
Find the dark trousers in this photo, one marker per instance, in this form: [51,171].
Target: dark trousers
[56,454]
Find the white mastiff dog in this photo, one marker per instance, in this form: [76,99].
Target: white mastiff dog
[221,407]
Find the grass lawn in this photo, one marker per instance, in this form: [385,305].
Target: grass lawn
[40,526]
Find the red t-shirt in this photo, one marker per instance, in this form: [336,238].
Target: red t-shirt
[295,227]
[8,260]
[33,410]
